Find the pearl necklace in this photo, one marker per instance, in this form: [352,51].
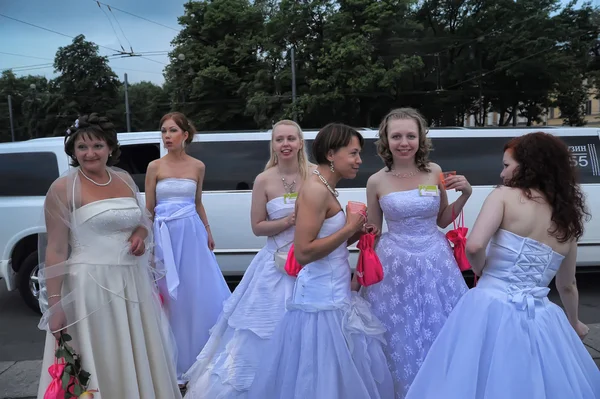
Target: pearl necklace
[96,183]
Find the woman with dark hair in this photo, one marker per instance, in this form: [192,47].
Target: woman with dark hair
[328,344]
[96,285]
[194,289]
[505,339]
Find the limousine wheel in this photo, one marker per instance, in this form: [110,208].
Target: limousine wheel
[28,281]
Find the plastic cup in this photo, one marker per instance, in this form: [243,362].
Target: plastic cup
[445,175]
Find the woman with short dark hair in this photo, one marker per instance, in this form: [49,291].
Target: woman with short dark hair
[328,344]
[96,283]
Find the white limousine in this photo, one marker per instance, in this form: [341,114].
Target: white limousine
[233,159]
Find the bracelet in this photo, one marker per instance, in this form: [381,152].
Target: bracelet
[206,226]
[54,296]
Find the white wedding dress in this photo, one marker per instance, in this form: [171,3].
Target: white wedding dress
[114,315]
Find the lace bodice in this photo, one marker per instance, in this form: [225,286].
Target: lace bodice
[174,189]
[325,283]
[411,219]
[101,230]
[519,268]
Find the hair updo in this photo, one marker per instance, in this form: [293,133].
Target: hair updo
[182,122]
[97,127]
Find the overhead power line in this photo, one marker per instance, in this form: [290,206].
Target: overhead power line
[136,16]
[58,33]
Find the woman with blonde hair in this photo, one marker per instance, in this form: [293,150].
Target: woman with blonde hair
[328,344]
[422,281]
[226,366]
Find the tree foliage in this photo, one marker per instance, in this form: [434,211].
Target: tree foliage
[231,66]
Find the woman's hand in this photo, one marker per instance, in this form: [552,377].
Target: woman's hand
[137,245]
[581,329]
[58,319]
[211,241]
[291,219]
[355,221]
[458,183]
[370,228]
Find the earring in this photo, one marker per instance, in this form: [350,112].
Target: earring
[331,166]
[183,144]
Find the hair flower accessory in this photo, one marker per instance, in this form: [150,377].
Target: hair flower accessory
[76,124]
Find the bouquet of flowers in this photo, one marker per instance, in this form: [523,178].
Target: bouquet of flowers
[69,379]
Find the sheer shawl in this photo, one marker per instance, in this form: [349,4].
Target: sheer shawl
[77,253]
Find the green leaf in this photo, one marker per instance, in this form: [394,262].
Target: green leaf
[77,390]
[66,337]
[68,357]
[60,353]
[65,378]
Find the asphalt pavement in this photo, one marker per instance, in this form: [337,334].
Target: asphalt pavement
[22,343]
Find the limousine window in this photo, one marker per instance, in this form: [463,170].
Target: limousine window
[584,155]
[235,165]
[27,173]
[480,158]
[135,159]
[230,165]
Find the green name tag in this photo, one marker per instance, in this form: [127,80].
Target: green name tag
[428,191]
[290,198]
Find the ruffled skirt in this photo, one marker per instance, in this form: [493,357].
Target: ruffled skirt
[226,366]
[325,352]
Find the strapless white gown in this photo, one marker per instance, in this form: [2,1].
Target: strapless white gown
[194,288]
[328,345]
[229,361]
[505,339]
[123,343]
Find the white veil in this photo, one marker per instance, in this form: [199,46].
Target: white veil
[75,258]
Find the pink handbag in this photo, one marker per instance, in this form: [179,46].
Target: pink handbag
[292,267]
[458,237]
[55,390]
[368,268]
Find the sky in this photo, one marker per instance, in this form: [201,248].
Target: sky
[36,47]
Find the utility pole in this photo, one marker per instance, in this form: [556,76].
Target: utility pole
[294,83]
[10,116]
[127,113]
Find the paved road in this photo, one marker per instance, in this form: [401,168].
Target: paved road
[21,343]
[20,338]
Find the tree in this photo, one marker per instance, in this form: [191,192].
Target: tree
[215,62]
[30,97]
[147,104]
[579,31]
[86,82]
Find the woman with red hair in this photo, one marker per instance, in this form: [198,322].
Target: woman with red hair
[504,338]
